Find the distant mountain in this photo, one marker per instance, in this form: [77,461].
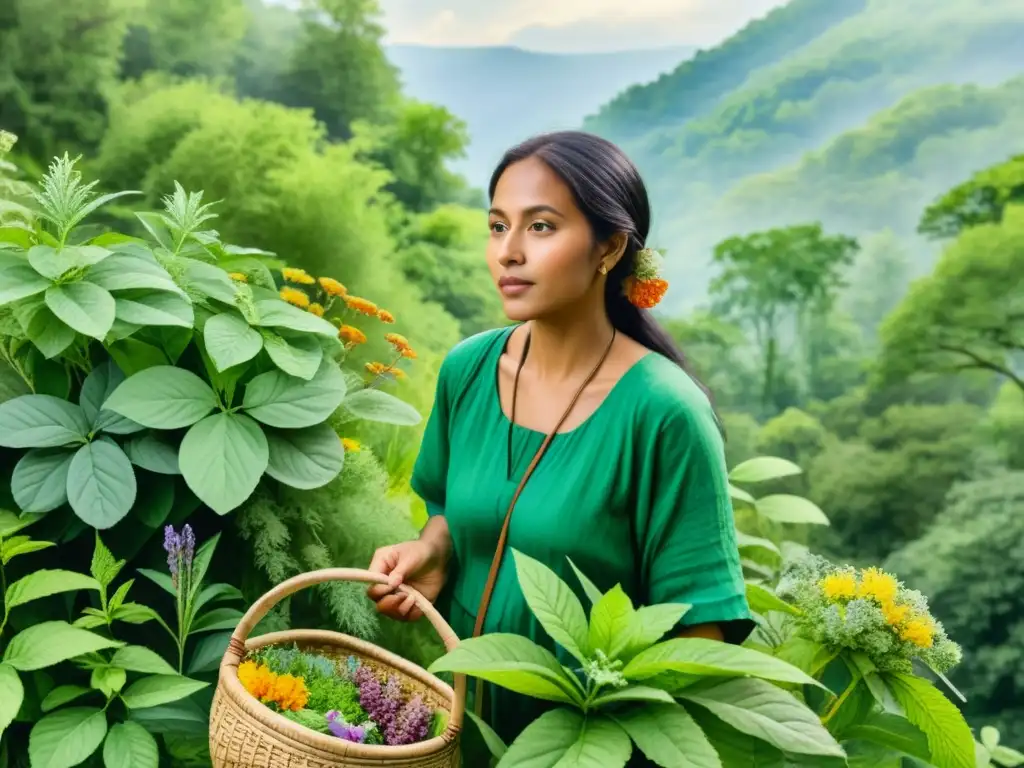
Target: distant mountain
[506,94]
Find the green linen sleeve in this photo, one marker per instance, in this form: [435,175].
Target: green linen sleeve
[687,538]
[430,473]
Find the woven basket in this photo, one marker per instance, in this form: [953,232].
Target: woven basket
[244,733]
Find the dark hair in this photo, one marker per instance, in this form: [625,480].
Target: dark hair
[613,197]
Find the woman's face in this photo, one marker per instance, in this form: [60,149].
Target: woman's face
[541,252]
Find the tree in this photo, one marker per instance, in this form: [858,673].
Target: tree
[980,200]
[969,314]
[877,280]
[777,277]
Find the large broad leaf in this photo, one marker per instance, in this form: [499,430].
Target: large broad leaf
[565,738]
[229,340]
[40,479]
[85,307]
[536,672]
[274,313]
[11,695]
[48,332]
[101,484]
[67,737]
[375,405]
[762,601]
[297,355]
[163,397]
[125,272]
[218,618]
[61,695]
[305,458]
[133,356]
[668,736]
[893,732]
[43,645]
[41,421]
[152,452]
[45,583]
[222,459]
[556,607]
[804,654]
[949,737]
[148,307]
[280,400]
[784,508]
[611,622]
[18,280]
[129,745]
[697,656]
[763,468]
[97,387]
[650,625]
[159,689]
[208,653]
[138,658]
[211,280]
[760,709]
[52,263]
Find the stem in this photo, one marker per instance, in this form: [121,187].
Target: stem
[3,593]
[842,698]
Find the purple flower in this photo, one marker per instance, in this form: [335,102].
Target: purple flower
[172,545]
[381,702]
[411,724]
[188,543]
[343,730]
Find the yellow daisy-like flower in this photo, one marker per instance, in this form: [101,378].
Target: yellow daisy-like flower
[351,335]
[377,369]
[316,309]
[332,287]
[288,692]
[295,297]
[363,306]
[918,631]
[895,613]
[257,679]
[838,586]
[385,317]
[351,444]
[409,352]
[295,275]
[397,340]
[879,585]
[238,277]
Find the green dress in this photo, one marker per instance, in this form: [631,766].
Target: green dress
[636,495]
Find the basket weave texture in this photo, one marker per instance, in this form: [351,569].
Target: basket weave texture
[244,733]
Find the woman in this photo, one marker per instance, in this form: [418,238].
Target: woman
[632,486]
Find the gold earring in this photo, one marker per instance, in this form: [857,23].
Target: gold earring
[602,269]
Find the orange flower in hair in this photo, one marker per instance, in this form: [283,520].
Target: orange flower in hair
[644,287]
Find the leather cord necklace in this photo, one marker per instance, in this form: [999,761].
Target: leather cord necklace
[499,551]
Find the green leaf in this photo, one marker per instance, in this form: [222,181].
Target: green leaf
[163,397]
[601,744]
[755,547]
[762,601]
[162,580]
[41,421]
[611,623]
[126,272]
[804,654]
[50,642]
[118,598]
[738,494]
[376,405]
[784,508]
[108,680]
[21,545]
[642,693]
[129,745]
[18,280]
[545,741]
[493,741]
[305,458]
[10,523]
[67,737]
[222,459]
[1005,756]
[39,481]
[201,563]
[760,709]
[229,340]
[45,583]
[52,263]
[216,593]
[698,656]
[151,452]
[218,618]
[97,387]
[949,737]
[101,484]
[298,356]
[650,625]
[554,605]
[44,329]
[12,693]
[104,567]
[537,672]
[210,280]
[274,313]
[668,736]
[159,308]
[762,469]
[159,689]
[893,732]
[85,307]
[61,695]
[592,592]
[133,613]
[138,658]
[208,653]
[280,400]
[133,356]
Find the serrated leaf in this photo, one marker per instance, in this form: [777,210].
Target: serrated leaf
[949,737]
[104,567]
[40,478]
[43,645]
[21,545]
[129,745]
[44,583]
[668,736]
[67,737]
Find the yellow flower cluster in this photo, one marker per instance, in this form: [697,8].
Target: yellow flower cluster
[879,586]
[351,444]
[286,691]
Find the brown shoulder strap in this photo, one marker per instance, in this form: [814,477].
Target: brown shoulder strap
[499,552]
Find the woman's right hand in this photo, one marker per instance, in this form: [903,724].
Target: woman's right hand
[418,565]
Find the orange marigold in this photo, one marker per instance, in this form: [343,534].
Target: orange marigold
[351,335]
[238,277]
[351,444]
[363,306]
[316,309]
[385,317]
[257,679]
[288,692]
[645,293]
[295,296]
[377,369]
[332,287]
[397,340]
[409,352]
[295,275]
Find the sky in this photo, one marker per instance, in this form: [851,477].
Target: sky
[569,26]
